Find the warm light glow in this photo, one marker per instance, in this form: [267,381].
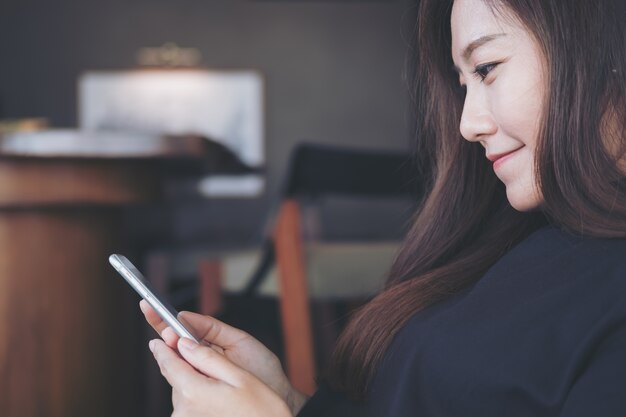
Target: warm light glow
[169,55]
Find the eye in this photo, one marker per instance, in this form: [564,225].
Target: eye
[481,71]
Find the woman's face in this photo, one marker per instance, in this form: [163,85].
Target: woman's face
[502,70]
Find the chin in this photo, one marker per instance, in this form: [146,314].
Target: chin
[524,201]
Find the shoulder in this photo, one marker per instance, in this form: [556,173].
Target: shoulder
[551,241]
[588,250]
[552,257]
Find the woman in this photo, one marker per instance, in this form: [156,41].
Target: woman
[509,294]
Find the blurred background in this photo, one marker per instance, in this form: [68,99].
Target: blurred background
[169,131]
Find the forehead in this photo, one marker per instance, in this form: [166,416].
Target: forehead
[473,19]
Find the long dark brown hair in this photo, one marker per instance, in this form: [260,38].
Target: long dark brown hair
[465,223]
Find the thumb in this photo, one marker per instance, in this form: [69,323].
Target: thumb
[212,330]
[210,363]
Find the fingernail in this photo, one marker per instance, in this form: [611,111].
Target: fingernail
[151,346]
[187,343]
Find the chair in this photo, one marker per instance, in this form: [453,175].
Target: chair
[306,267]
[300,261]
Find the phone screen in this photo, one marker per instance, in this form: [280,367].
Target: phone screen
[136,280]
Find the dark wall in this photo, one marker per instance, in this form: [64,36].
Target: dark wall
[333,73]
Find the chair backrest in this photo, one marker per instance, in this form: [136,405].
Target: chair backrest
[316,170]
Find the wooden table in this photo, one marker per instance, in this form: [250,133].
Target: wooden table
[67,322]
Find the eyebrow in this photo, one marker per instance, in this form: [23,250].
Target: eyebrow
[477,43]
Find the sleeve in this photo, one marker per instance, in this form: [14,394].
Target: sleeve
[600,390]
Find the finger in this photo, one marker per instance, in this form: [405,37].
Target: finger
[210,362]
[170,337]
[167,333]
[152,317]
[178,373]
[175,398]
[212,330]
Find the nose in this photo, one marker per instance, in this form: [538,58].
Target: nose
[477,121]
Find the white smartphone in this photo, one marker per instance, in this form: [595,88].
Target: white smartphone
[136,280]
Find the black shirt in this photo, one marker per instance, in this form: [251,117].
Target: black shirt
[543,333]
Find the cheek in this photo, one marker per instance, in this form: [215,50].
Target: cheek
[516,106]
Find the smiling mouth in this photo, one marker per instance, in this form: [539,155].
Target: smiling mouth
[499,159]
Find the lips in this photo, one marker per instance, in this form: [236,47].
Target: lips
[499,158]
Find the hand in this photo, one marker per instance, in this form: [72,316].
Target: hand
[238,346]
[205,384]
